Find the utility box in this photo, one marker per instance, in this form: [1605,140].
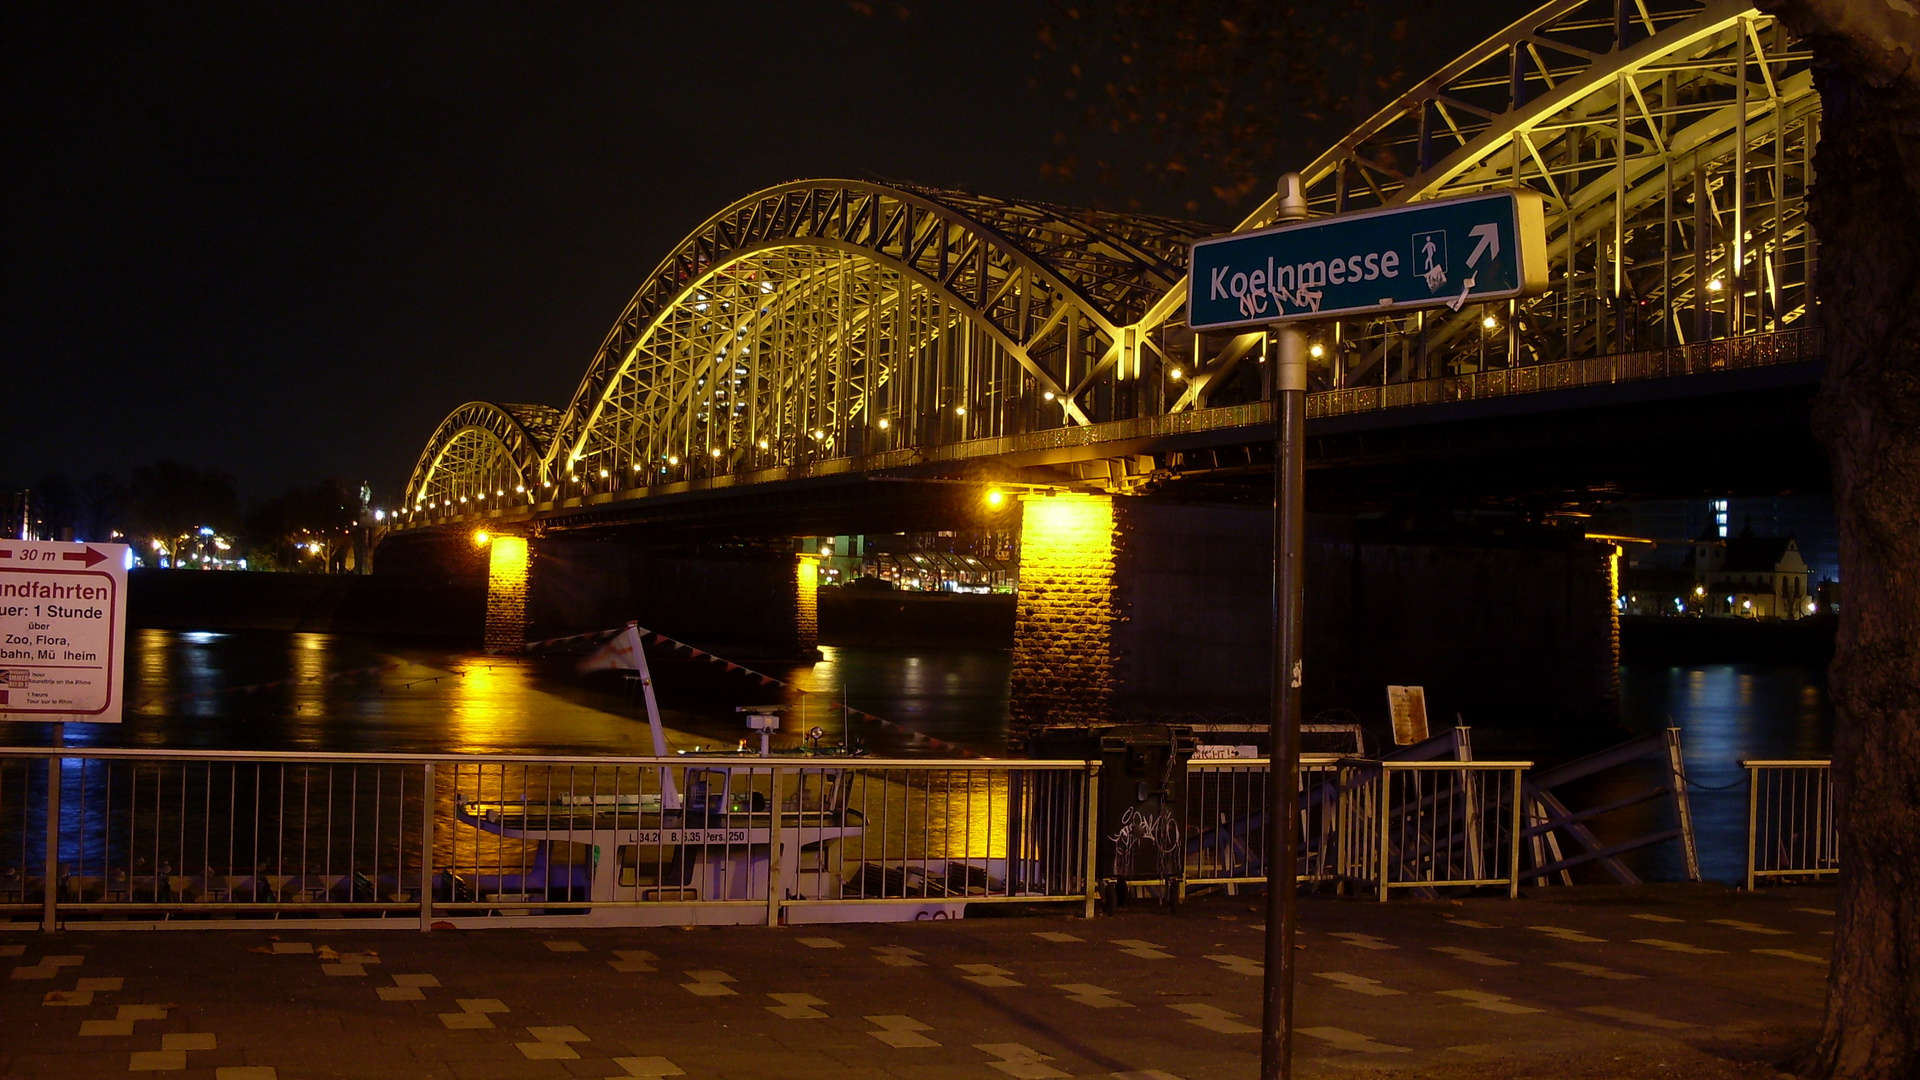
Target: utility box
[1143,781]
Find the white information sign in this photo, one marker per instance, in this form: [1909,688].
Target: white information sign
[1408,704]
[63,631]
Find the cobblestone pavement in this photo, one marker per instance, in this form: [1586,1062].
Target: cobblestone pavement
[1476,987]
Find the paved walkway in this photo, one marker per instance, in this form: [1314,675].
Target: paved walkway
[1700,982]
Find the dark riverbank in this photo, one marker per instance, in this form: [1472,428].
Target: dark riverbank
[1653,639]
[448,611]
[453,610]
[894,618]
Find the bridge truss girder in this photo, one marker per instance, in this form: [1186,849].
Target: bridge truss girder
[833,326]
[481,456]
[1672,140]
[824,319]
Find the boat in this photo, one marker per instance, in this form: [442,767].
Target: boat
[696,844]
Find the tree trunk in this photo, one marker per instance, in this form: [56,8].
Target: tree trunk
[1865,206]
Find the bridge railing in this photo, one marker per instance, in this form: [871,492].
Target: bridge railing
[1724,354]
[1790,823]
[231,837]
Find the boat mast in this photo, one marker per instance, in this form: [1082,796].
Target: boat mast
[669,795]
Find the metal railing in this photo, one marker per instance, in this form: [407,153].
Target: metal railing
[236,836]
[1721,354]
[1224,820]
[1790,825]
[128,836]
[1422,824]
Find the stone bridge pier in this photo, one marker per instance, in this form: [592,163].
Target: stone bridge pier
[1140,607]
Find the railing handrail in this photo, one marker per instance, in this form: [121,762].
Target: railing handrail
[1400,766]
[323,757]
[1258,762]
[1785,763]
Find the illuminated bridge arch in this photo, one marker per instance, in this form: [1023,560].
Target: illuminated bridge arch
[832,326]
[828,319]
[482,456]
[1672,141]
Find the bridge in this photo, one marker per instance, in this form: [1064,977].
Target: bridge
[842,352]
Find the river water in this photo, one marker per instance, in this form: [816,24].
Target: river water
[263,691]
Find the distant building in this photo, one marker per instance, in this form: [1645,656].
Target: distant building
[1751,577]
[1673,522]
[1648,587]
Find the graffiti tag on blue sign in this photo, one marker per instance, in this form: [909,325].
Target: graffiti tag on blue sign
[1449,252]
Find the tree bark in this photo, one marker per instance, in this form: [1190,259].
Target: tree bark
[1865,206]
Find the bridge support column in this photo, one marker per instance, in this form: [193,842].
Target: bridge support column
[506,594]
[1063,624]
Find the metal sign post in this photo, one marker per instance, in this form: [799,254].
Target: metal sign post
[1448,252]
[1289,543]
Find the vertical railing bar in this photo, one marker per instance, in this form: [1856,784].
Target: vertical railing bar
[427,790]
[50,886]
[774,853]
[989,779]
[526,808]
[464,773]
[480,839]
[1803,796]
[80,826]
[280,829]
[886,831]
[660,850]
[376,834]
[255,867]
[353,833]
[206,831]
[1791,820]
[1828,838]
[499,841]
[133,823]
[1789,806]
[326,842]
[306,829]
[593,868]
[159,789]
[865,819]
[1801,829]
[1089,833]
[1382,853]
[1513,847]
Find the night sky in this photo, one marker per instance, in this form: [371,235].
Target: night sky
[285,240]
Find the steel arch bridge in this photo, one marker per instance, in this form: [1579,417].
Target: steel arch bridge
[839,327]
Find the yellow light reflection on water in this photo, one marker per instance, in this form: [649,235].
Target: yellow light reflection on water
[487,703]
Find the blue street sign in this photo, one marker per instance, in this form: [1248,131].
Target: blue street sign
[1450,251]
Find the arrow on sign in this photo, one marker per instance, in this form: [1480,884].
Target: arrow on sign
[1489,244]
[89,556]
